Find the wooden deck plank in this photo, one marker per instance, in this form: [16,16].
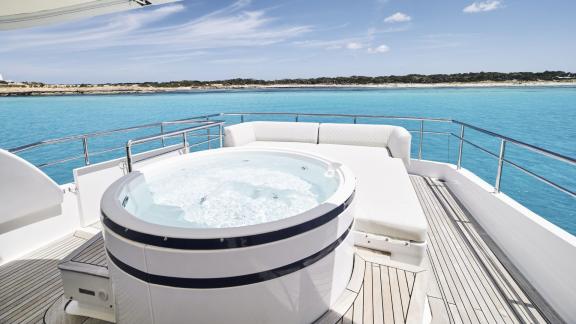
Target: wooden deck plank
[410,281]
[478,237]
[449,250]
[358,316]
[31,284]
[493,305]
[50,252]
[377,294]
[453,264]
[397,310]
[417,302]
[368,296]
[386,295]
[404,292]
[357,275]
[442,261]
[457,243]
[465,264]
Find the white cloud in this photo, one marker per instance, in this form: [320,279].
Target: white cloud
[334,44]
[397,18]
[379,49]
[483,6]
[354,46]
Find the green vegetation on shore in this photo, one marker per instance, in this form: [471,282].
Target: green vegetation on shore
[361,80]
[477,77]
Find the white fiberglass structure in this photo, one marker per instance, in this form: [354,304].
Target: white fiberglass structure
[230,218]
[265,234]
[29,13]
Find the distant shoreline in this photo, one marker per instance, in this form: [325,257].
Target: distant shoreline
[21,91]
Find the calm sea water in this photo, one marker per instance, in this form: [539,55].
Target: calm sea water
[542,116]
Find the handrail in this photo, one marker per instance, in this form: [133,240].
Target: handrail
[183,132]
[335,115]
[528,146]
[26,147]
[501,156]
[205,120]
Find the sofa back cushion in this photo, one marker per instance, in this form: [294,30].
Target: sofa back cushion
[239,134]
[396,139]
[355,134]
[286,132]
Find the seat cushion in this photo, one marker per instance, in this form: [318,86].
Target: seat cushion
[286,131]
[386,203]
[355,134]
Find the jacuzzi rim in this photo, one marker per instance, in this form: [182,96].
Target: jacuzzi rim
[224,238]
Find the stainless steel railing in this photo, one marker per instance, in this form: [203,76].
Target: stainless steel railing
[207,125]
[504,141]
[201,121]
[84,138]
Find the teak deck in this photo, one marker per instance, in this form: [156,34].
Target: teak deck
[466,278]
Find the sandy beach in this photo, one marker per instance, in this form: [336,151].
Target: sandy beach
[48,90]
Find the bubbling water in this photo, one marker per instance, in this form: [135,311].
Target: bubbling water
[233,190]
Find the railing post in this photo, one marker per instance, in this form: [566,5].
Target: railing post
[86,153]
[185,142]
[162,132]
[500,165]
[129,156]
[220,134]
[460,147]
[209,139]
[421,139]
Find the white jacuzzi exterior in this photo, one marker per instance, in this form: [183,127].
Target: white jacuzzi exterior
[158,276]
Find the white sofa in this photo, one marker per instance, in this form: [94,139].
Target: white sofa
[388,214]
[395,139]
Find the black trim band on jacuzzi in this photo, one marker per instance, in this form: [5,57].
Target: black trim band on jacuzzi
[225,243]
[226,282]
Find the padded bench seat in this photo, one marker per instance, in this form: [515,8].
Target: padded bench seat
[388,215]
[386,203]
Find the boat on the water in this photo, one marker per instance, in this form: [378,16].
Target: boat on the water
[278,217]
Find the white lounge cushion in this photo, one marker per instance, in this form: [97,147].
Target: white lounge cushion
[399,144]
[355,134]
[244,133]
[395,138]
[286,131]
[238,135]
[386,203]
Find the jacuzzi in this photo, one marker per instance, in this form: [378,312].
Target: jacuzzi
[229,235]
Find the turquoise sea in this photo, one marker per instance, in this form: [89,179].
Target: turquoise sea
[545,117]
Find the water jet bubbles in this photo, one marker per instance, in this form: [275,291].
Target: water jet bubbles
[331,172]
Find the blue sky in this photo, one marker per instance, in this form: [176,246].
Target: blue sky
[273,39]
